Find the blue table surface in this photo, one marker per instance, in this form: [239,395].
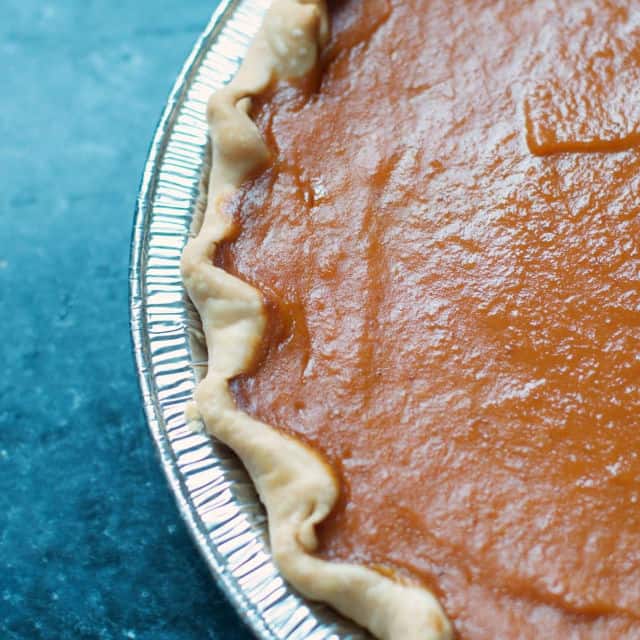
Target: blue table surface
[91,543]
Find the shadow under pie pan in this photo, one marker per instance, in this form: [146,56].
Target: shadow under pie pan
[213,491]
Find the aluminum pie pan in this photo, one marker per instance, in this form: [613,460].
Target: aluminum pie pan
[212,489]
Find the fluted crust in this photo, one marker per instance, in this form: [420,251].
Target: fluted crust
[294,482]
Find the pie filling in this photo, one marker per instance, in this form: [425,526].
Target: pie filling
[448,243]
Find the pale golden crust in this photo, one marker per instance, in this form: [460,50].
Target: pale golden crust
[293,481]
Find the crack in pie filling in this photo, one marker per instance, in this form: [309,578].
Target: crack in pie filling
[419,278]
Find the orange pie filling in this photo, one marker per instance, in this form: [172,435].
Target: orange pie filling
[448,243]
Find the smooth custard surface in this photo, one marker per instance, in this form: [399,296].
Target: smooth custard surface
[448,241]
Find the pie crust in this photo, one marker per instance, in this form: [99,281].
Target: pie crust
[297,487]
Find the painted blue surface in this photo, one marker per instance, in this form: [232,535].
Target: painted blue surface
[91,544]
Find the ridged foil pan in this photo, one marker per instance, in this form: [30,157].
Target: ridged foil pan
[212,489]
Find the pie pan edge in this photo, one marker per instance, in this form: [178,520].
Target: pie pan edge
[213,492]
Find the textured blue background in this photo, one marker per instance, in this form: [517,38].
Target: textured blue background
[91,545]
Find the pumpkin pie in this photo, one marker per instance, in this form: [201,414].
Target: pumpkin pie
[418,274]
